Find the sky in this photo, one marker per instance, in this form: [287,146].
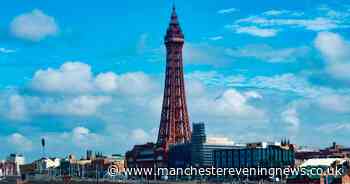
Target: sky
[89,74]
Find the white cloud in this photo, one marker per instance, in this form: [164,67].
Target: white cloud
[227,11]
[334,128]
[275,12]
[6,51]
[253,94]
[85,105]
[336,52]
[288,83]
[140,136]
[215,38]
[84,138]
[334,102]
[232,102]
[214,78]
[282,12]
[316,24]
[73,90]
[17,109]
[77,78]
[107,82]
[205,89]
[255,31]
[81,138]
[339,14]
[34,26]
[23,108]
[291,118]
[230,106]
[136,83]
[285,82]
[71,77]
[268,54]
[20,142]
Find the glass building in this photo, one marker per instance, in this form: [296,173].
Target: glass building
[270,156]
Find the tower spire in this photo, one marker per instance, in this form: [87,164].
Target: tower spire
[174,19]
[174,32]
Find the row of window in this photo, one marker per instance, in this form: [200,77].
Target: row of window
[253,157]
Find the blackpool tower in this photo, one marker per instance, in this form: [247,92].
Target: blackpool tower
[174,125]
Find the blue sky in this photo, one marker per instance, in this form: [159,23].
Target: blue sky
[89,75]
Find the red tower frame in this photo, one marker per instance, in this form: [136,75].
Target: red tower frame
[174,124]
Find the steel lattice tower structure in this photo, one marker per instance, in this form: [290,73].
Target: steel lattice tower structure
[174,124]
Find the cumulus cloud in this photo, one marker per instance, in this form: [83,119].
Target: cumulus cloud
[71,77]
[291,118]
[140,136]
[75,140]
[79,106]
[73,90]
[83,137]
[24,107]
[140,82]
[19,142]
[232,102]
[253,94]
[107,82]
[336,52]
[17,109]
[230,106]
[80,138]
[77,78]
[34,26]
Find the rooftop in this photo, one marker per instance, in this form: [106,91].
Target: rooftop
[322,162]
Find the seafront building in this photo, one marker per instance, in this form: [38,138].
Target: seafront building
[254,155]
[91,166]
[334,151]
[11,166]
[323,178]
